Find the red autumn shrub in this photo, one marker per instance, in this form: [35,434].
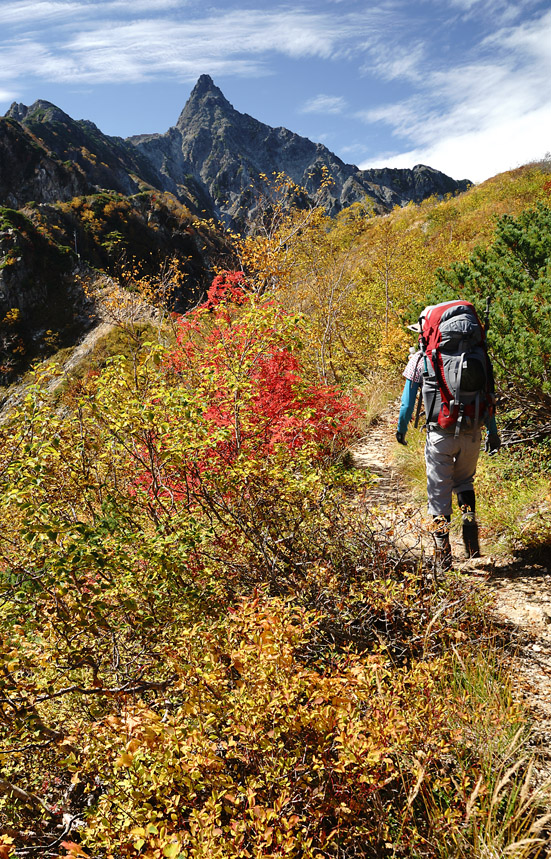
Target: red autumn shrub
[226,287]
[246,364]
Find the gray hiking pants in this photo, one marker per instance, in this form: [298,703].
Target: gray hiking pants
[451,466]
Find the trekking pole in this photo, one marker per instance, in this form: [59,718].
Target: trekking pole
[487,313]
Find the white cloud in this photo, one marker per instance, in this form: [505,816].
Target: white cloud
[354,150]
[130,7]
[530,40]
[481,117]
[26,55]
[7,95]
[469,4]
[478,154]
[324,104]
[32,13]
[497,11]
[145,50]
[69,12]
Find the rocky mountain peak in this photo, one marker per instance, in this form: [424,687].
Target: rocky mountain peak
[205,84]
[17,111]
[205,101]
[39,111]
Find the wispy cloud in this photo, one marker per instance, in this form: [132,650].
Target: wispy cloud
[529,41]
[132,41]
[355,151]
[233,43]
[324,104]
[470,4]
[480,153]
[392,60]
[25,54]
[34,13]
[499,12]
[137,40]
[131,7]
[70,12]
[7,95]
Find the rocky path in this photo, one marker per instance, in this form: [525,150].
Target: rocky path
[519,588]
[81,351]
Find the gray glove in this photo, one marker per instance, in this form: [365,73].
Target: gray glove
[400,438]
[493,443]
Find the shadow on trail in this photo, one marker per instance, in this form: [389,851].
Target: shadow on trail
[530,563]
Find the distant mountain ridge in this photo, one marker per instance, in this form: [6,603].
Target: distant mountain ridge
[208,160]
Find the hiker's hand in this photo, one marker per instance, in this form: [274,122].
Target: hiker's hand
[493,443]
[400,438]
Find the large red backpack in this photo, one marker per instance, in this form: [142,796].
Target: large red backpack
[458,381]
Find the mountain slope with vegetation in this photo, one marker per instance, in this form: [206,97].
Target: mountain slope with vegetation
[72,197]
[360,277]
[54,258]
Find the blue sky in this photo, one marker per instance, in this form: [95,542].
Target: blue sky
[461,85]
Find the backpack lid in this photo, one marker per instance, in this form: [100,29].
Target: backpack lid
[449,321]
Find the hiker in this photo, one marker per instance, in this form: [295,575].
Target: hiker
[455,374]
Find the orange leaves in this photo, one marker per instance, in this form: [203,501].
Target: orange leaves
[7,846]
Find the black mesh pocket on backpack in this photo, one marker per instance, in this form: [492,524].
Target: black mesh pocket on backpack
[473,375]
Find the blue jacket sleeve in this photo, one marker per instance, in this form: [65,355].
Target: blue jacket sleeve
[491,425]
[409,395]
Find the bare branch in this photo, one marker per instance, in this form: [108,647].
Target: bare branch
[126,689]
[18,793]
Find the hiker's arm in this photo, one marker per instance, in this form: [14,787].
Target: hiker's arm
[491,425]
[493,441]
[409,395]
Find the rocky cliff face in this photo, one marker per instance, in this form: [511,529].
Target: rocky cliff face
[79,150]
[225,151]
[30,171]
[46,156]
[42,307]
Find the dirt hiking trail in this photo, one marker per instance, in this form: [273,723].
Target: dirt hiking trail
[519,590]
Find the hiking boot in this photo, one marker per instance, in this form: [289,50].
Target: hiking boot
[470,537]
